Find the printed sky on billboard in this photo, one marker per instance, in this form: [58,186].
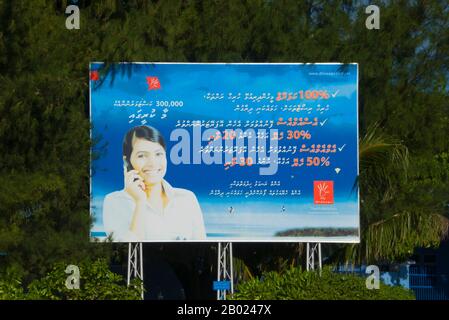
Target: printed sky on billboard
[224,152]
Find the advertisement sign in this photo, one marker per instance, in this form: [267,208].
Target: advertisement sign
[224,152]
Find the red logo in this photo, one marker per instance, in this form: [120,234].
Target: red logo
[94,76]
[323,192]
[153,83]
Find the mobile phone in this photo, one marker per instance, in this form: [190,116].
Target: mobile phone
[127,165]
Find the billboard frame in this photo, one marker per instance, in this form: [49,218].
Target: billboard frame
[317,240]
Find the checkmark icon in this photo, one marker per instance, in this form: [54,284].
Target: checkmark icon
[335,93]
[341,149]
[322,123]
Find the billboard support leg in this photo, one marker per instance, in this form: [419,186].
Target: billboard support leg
[135,263]
[225,268]
[313,250]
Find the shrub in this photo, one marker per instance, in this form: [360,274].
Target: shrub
[97,282]
[11,288]
[296,284]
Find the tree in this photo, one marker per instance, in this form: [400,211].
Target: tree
[387,235]
[44,134]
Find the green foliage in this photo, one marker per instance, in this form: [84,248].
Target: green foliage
[241,270]
[391,228]
[383,160]
[11,287]
[395,238]
[44,142]
[97,282]
[296,284]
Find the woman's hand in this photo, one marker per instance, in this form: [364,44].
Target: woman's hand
[134,186]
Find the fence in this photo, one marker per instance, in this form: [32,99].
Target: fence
[425,282]
[428,284]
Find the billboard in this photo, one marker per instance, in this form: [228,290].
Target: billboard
[224,152]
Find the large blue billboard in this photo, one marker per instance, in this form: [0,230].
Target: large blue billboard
[224,152]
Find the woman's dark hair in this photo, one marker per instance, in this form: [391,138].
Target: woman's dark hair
[141,132]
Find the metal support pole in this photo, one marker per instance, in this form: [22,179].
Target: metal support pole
[225,270]
[320,261]
[313,249]
[135,263]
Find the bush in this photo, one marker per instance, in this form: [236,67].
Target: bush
[296,284]
[11,288]
[97,282]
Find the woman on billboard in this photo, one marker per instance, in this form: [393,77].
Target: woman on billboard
[149,208]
